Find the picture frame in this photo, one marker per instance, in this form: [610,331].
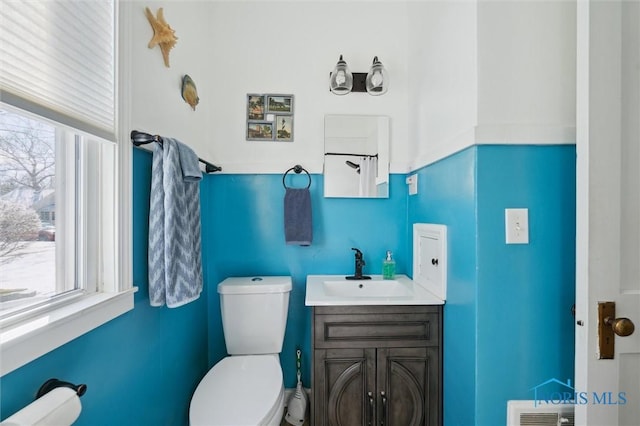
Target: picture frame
[284,128]
[260,131]
[255,107]
[280,104]
[269,117]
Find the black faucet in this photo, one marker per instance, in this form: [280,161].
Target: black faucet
[359,264]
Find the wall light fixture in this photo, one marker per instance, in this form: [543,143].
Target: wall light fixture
[343,81]
[377,81]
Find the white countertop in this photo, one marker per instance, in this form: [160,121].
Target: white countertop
[325,290]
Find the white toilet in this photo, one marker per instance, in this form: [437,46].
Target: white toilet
[246,389]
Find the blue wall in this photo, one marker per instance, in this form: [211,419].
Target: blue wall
[246,231]
[507,321]
[140,368]
[507,325]
[525,292]
[447,195]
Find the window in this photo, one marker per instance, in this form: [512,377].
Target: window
[27,213]
[56,204]
[65,183]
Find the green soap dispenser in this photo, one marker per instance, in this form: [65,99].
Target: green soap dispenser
[388,267]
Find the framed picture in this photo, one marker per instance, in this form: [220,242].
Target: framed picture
[284,128]
[255,107]
[260,131]
[280,104]
[269,117]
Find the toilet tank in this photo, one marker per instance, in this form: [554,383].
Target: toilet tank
[254,313]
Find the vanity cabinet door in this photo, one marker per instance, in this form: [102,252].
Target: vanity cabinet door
[408,386]
[377,365]
[343,379]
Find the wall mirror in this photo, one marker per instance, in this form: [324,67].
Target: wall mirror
[356,156]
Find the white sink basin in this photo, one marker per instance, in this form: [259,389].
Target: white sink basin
[334,290]
[366,288]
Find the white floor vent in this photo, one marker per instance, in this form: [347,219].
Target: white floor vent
[528,413]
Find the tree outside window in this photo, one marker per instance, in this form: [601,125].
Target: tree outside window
[27,207]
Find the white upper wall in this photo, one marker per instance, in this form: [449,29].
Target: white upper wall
[526,71]
[461,72]
[490,72]
[234,48]
[442,78]
[156,103]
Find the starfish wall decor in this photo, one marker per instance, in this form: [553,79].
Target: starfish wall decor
[163,35]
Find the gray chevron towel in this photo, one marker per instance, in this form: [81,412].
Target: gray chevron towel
[175,257]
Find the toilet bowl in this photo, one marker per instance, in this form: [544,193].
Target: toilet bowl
[246,388]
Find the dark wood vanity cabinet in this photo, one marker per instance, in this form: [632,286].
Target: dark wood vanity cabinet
[377,365]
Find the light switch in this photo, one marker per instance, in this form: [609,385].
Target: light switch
[516,226]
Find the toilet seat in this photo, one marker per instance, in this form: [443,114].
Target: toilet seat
[239,390]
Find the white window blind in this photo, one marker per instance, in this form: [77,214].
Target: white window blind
[57,60]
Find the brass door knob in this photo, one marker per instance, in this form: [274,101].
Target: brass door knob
[621,326]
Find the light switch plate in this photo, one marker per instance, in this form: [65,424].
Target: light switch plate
[516,226]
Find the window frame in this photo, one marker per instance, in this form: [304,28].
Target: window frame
[55,324]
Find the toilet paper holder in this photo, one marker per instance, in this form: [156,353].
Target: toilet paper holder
[52,384]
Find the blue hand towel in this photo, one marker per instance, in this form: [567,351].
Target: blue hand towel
[297,216]
[175,258]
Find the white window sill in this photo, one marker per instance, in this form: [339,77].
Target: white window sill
[28,340]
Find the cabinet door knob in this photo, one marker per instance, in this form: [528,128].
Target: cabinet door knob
[434,261]
[371,403]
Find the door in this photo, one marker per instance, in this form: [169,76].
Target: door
[343,379]
[608,208]
[408,386]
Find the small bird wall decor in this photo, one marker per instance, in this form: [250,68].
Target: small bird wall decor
[189,91]
[163,35]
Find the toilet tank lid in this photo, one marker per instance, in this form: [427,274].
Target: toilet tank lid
[255,285]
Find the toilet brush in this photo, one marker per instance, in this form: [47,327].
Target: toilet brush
[297,405]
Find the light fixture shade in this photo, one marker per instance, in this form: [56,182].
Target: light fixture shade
[341,81]
[377,80]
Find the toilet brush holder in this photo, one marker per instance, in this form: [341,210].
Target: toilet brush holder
[297,404]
